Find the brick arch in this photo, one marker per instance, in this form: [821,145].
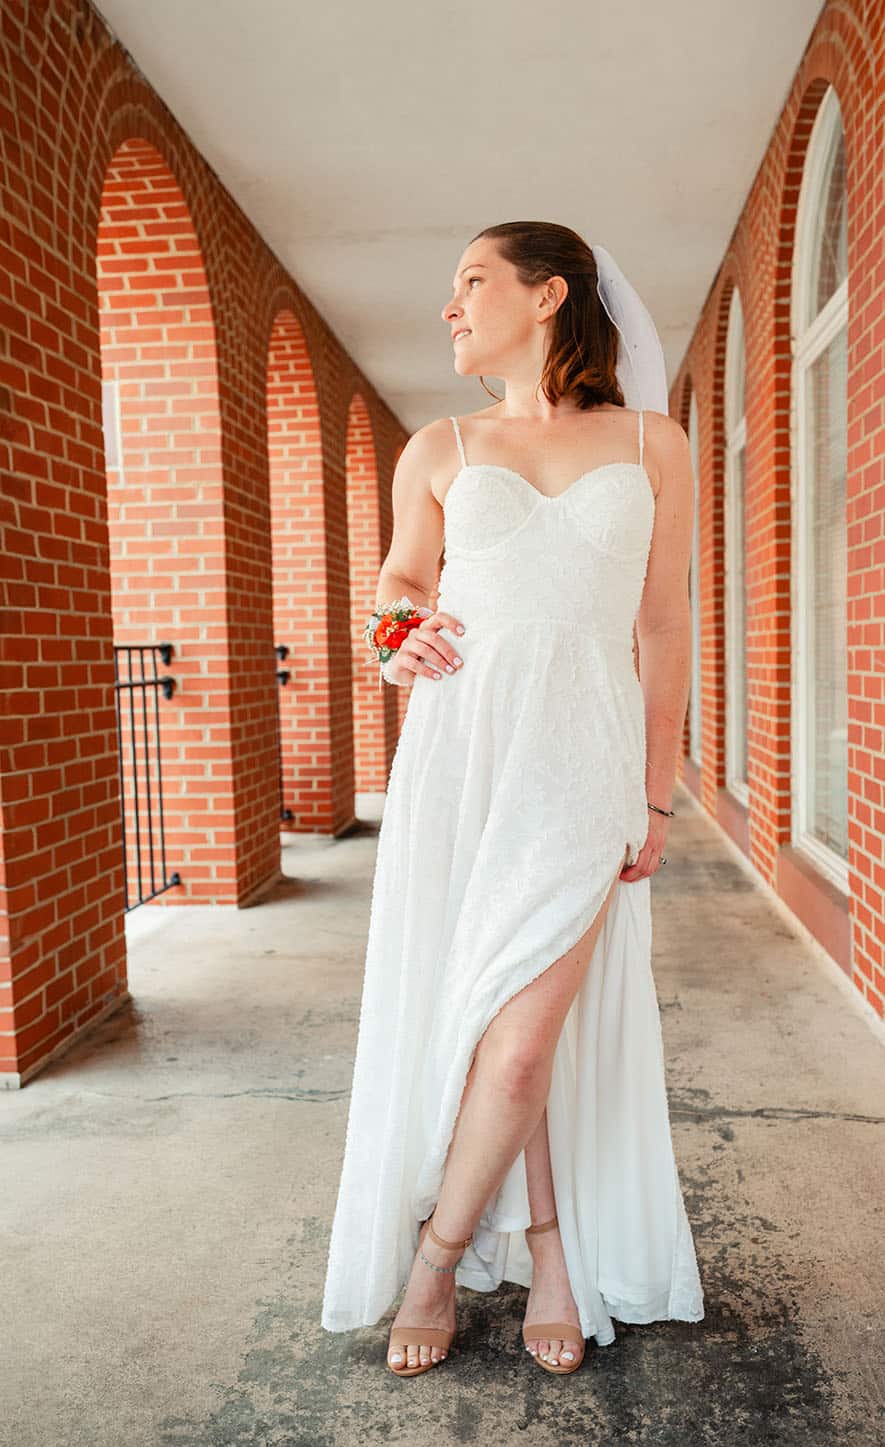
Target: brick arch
[839,58]
[123,107]
[74,98]
[760,262]
[374,709]
[396,700]
[333,733]
[712,533]
[298,539]
[165,514]
[246,771]
[118,109]
[247,784]
[680,409]
[702,375]
[772,823]
[321,782]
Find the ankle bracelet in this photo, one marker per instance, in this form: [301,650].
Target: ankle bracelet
[432,1265]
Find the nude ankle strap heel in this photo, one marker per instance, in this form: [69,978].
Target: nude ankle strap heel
[552,1330]
[424,1335]
[441,1241]
[546,1226]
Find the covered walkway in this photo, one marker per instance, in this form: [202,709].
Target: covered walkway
[175,1176]
[225,239]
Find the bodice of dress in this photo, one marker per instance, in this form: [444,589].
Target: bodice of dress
[516,556]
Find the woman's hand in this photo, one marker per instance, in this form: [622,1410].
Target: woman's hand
[648,860]
[424,651]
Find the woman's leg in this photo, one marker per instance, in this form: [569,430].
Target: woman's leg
[504,1098]
[539,1176]
[550,1295]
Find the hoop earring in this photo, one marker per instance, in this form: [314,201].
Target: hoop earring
[490,392]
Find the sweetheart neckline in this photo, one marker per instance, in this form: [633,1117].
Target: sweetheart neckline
[546,496]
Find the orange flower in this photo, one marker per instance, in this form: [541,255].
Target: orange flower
[391,632]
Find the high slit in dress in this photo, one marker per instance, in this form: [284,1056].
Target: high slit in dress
[516,790]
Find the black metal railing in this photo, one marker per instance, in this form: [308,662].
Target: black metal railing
[283,676]
[145,816]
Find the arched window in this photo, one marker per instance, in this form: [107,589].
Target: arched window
[694,589]
[735,557]
[820,393]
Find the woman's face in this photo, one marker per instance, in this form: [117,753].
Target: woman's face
[504,321]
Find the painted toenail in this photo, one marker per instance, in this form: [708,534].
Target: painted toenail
[568,1356]
[396,1359]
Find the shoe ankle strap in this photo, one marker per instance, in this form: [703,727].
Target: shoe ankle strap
[441,1241]
[545,1226]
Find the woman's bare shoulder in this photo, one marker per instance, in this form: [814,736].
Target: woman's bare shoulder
[666,450]
[429,445]
[435,444]
[428,461]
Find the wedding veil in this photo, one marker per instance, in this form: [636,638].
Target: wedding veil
[641,369]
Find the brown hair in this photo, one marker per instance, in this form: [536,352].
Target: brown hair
[583,348]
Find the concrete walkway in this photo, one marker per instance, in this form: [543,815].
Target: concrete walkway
[167,1189]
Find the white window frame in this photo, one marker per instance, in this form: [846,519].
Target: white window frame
[695,717]
[110,418]
[809,340]
[735,441]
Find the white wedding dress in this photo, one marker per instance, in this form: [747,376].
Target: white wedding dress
[517,786]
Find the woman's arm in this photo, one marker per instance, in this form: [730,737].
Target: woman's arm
[412,562]
[663,623]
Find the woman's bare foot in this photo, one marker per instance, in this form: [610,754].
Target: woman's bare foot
[550,1298]
[429,1300]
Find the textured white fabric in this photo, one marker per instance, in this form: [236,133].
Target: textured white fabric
[516,786]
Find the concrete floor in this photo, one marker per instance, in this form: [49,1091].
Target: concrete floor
[168,1187]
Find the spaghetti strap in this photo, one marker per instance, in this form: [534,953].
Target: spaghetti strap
[454,422]
[640,438]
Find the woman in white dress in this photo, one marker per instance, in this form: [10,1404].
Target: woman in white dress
[509,1075]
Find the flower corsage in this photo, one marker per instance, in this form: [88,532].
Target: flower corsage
[388,628]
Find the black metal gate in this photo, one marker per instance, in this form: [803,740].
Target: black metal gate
[142,823]
[283,676]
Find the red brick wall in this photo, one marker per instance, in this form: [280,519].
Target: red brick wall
[279,537]
[370,704]
[78,125]
[299,583]
[846,50]
[165,518]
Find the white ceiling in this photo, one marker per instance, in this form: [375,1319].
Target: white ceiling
[369,143]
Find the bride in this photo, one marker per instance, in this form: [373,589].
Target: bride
[508,1116]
